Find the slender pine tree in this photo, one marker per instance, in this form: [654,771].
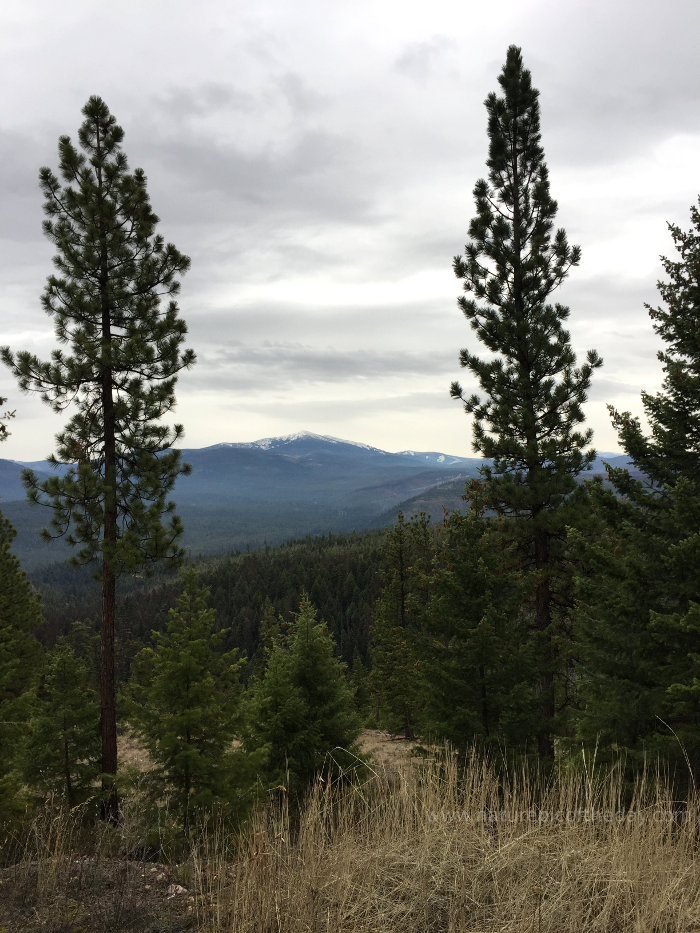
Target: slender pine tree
[527,419]
[105,301]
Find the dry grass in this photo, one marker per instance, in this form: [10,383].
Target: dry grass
[73,876]
[430,849]
[423,846]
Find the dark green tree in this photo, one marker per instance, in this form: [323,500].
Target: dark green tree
[20,656]
[618,693]
[61,750]
[672,451]
[20,616]
[477,651]
[657,543]
[527,419]
[397,626]
[302,712]
[183,700]
[112,270]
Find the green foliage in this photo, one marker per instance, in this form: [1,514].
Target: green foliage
[361,689]
[20,655]
[302,712]
[645,602]
[397,625]
[479,661]
[533,393]
[61,751]
[253,590]
[183,701]
[4,418]
[617,656]
[671,451]
[105,302]
[527,419]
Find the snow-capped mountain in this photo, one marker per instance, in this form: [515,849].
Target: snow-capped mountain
[275,488]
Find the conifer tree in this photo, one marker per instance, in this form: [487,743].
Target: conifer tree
[20,616]
[657,537]
[527,419]
[396,632]
[61,750]
[618,693]
[112,270]
[477,651]
[183,700]
[302,711]
[672,451]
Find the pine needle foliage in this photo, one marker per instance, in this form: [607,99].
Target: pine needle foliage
[661,513]
[527,418]
[302,712]
[672,450]
[183,701]
[4,418]
[105,299]
[20,656]
[396,635]
[61,750]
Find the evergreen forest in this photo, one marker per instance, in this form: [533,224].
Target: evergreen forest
[543,635]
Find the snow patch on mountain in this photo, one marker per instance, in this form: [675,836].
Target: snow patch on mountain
[301,437]
[273,443]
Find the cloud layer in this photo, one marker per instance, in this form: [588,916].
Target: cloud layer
[316,161]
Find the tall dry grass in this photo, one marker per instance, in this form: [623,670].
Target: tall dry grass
[443,844]
[458,849]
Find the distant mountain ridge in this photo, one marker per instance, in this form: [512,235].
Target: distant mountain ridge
[246,494]
[305,442]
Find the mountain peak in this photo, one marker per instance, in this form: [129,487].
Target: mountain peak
[266,443]
[286,440]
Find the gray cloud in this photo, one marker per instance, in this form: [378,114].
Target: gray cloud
[420,60]
[317,163]
[244,366]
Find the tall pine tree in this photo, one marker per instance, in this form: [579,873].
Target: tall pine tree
[662,540]
[105,301]
[527,419]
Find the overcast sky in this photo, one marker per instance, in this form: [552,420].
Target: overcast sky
[316,161]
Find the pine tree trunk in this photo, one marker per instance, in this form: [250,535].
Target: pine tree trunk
[543,619]
[110,804]
[110,800]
